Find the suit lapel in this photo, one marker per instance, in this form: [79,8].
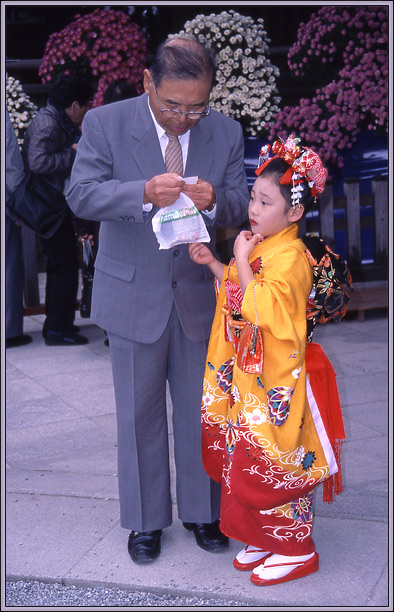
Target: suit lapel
[146,152]
[200,156]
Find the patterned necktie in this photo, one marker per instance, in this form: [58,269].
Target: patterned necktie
[173,155]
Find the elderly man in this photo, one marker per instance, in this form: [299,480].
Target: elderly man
[157,305]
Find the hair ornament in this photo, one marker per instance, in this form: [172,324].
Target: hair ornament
[264,154]
[289,150]
[304,164]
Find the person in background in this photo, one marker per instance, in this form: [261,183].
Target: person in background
[13,254]
[270,410]
[156,304]
[119,90]
[49,148]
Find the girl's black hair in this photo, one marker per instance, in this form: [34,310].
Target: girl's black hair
[277,168]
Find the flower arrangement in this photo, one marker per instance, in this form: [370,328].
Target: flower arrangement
[21,109]
[246,87]
[344,47]
[103,46]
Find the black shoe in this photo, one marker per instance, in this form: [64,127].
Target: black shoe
[18,341]
[74,329]
[144,546]
[208,536]
[63,339]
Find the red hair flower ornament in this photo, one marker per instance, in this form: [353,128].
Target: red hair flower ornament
[304,164]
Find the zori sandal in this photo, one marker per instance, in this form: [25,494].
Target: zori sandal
[279,568]
[250,557]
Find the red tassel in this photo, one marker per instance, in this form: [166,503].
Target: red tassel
[327,490]
[335,480]
[250,350]
[259,170]
[286,178]
[338,484]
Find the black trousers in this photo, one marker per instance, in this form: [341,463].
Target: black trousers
[62,253]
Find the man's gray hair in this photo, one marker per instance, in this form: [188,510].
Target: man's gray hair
[183,58]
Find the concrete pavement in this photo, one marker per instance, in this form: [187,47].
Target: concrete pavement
[61,519]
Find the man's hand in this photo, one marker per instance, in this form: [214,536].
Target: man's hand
[202,194]
[163,190]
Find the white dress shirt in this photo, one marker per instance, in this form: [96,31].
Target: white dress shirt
[184,142]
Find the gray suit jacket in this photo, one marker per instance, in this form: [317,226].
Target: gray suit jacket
[135,283]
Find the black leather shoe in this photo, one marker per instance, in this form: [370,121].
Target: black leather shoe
[63,338]
[144,546]
[208,536]
[18,341]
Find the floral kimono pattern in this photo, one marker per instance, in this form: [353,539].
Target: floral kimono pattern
[263,435]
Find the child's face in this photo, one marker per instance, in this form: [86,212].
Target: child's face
[269,213]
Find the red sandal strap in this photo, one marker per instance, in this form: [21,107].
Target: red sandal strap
[295,563]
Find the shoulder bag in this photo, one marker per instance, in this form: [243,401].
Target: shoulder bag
[38,205]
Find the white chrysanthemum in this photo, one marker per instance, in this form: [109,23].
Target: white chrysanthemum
[246,76]
[20,108]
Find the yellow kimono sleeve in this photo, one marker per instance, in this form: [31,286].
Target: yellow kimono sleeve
[276,302]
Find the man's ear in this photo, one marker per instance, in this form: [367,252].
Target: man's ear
[147,81]
[295,213]
[70,110]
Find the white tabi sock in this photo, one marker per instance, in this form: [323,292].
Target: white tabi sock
[270,573]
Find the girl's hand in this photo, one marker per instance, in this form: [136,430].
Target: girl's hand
[200,253]
[244,244]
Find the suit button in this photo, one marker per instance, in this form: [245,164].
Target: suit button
[174,284]
[177,253]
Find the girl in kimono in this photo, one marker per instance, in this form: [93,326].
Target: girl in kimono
[270,413]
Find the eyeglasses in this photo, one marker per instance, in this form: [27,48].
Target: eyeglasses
[171,113]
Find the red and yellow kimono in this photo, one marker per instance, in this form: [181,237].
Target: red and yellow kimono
[263,432]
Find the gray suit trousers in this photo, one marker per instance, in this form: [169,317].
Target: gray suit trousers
[140,372]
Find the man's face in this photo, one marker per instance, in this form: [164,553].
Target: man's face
[189,95]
